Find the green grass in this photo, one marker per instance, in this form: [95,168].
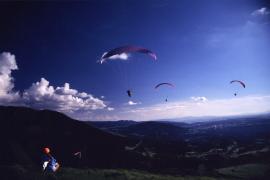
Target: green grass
[18,172]
[247,171]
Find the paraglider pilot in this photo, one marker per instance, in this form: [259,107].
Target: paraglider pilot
[129,92]
[49,162]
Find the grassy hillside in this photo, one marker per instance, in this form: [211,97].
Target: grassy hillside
[247,171]
[24,132]
[20,173]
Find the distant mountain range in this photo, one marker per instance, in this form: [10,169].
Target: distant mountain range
[218,142]
[193,119]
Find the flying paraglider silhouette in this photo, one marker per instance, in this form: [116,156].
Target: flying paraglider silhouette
[78,154]
[239,82]
[164,84]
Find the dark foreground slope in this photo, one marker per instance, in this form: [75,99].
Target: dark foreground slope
[22,173]
[24,132]
[18,172]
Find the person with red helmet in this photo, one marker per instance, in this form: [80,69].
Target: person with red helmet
[49,162]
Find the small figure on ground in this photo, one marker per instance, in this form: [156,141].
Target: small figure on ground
[49,162]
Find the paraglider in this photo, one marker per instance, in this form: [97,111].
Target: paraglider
[78,154]
[127,49]
[49,162]
[122,53]
[164,84]
[239,82]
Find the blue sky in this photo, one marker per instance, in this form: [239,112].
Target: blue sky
[201,46]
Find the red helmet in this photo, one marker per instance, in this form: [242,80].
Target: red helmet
[46,150]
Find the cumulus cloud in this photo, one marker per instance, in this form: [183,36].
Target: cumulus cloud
[42,95]
[64,99]
[7,64]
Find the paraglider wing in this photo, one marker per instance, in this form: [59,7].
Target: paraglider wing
[78,154]
[127,49]
[164,84]
[242,83]
[146,51]
[161,84]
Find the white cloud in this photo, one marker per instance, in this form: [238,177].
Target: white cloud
[132,103]
[260,16]
[64,99]
[261,12]
[65,90]
[110,108]
[7,64]
[42,95]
